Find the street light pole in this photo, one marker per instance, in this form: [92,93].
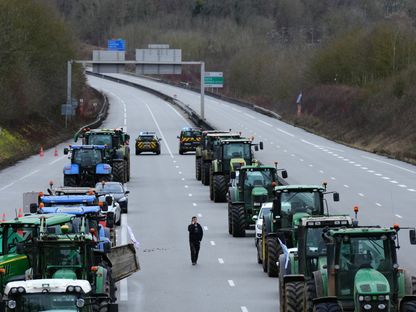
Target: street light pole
[68,90]
[202,90]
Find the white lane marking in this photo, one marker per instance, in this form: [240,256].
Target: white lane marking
[177,113]
[333,178]
[6,186]
[321,171]
[345,185]
[244,309]
[387,163]
[346,159]
[271,143]
[231,283]
[212,243]
[393,181]
[361,194]
[180,172]
[399,216]
[236,110]
[285,151]
[205,228]
[277,146]
[300,159]
[174,161]
[402,185]
[220,260]
[310,165]
[357,165]
[266,123]
[58,159]
[176,166]
[194,204]
[411,190]
[293,155]
[248,115]
[378,204]
[364,168]
[199,215]
[370,171]
[352,162]
[124,293]
[285,132]
[385,178]
[183,179]
[378,174]
[190,195]
[29,174]
[160,130]
[186,186]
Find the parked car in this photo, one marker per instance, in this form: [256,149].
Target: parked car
[118,190]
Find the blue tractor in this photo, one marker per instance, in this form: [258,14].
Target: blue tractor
[89,165]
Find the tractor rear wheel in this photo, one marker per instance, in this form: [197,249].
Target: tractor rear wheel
[264,249]
[310,294]
[230,219]
[205,173]
[128,168]
[409,306]
[328,307]
[220,189]
[70,180]
[119,172]
[294,295]
[274,250]
[239,221]
[211,185]
[197,169]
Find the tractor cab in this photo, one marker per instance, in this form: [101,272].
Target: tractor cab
[48,295]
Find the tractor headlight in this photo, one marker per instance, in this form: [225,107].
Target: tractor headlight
[367,298]
[381,306]
[78,289]
[80,302]
[70,289]
[360,298]
[367,306]
[13,290]
[21,290]
[11,304]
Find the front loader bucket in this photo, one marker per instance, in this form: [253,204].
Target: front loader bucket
[124,261]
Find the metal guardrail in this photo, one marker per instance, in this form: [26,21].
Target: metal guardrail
[193,116]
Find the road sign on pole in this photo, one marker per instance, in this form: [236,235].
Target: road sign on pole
[214,80]
[116,45]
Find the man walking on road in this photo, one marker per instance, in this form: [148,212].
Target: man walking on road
[195,237]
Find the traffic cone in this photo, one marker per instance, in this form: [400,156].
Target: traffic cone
[55,153]
[20,213]
[3,218]
[42,153]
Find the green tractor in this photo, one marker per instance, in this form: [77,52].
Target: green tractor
[296,265]
[362,272]
[204,152]
[229,155]
[291,203]
[250,187]
[117,142]
[13,263]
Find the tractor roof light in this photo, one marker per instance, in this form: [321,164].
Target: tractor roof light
[64,228]
[41,205]
[94,268]
[2,270]
[396,227]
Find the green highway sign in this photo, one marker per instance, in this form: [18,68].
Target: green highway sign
[214,80]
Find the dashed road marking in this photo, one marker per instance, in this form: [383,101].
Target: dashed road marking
[393,181]
[378,204]
[321,171]
[346,186]
[183,179]
[199,215]
[212,243]
[266,123]
[29,174]
[333,178]
[378,174]
[402,185]
[194,204]
[387,163]
[180,172]
[205,228]
[58,159]
[231,283]
[285,132]
[310,165]
[385,178]
[411,190]
[190,195]
[186,186]
[301,159]
[176,166]
[370,171]
[364,168]
[248,115]
[6,186]
[244,309]
[361,194]
[352,162]
[399,216]
[220,260]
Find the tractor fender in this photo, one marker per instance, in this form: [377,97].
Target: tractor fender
[293,278]
[100,279]
[233,191]
[71,169]
[119,154]
[405,283]
[266,225]
[325,300]
[103,169]
[320,286]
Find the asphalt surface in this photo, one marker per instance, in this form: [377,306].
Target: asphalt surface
[164,196]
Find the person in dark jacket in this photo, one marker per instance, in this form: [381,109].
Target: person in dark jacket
[195,237]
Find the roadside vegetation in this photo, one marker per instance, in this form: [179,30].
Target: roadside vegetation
[353,60]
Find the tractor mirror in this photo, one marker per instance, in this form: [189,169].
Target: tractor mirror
[261,145]
[412,236]
[178,136]
[107,247]
[66,151]
[33,208]
[284,174]
[255,218]
[336,197]
[256,148]
[233,175]
[110,219]
[127,192]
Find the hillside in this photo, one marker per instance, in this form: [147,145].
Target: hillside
[353,60]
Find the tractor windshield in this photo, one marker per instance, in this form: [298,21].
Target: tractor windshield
[237,150]
[46,302]
[308,202]
[62,256]
[258,178]
[315,245]
[100,139]
[355,253]
[87,157]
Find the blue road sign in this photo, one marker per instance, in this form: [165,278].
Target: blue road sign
[116,45]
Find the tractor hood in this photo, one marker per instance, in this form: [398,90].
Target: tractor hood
[236,163]
[297,218]
[258,191]
[65,274]
[369,282]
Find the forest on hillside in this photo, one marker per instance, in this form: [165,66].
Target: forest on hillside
[353,60]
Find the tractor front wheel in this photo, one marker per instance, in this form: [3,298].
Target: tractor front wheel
[220,189]
[70,180]
[197,169]
[119,172]
[239,221]
[274,250]
[329,307]
[310,294]
[230,219]
[294,295]
[205,173]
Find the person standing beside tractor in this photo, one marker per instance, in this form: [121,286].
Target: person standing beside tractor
[195,236]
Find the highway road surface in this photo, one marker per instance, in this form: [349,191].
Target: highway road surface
[165,195]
